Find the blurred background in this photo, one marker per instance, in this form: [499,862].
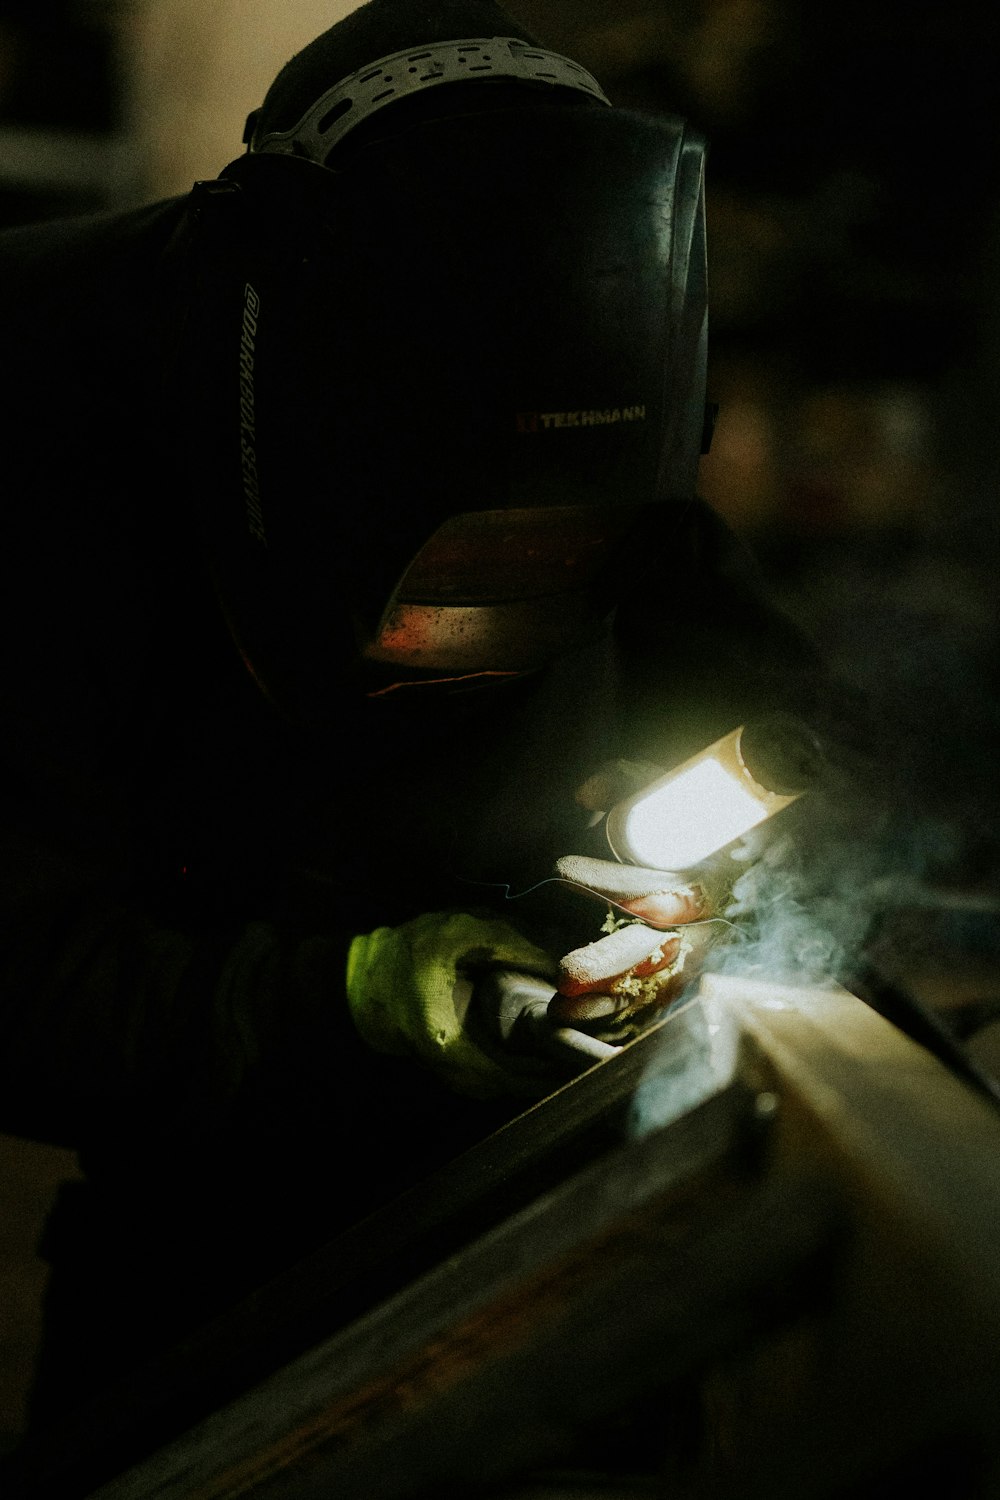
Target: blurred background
[854,257]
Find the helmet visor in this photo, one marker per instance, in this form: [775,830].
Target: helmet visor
[504,590]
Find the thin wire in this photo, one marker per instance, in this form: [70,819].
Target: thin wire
[504,885]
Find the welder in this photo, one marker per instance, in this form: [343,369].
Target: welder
[352,551]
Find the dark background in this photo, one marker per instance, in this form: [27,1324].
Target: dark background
[854,249]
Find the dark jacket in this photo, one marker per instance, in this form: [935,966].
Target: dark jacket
[183,868]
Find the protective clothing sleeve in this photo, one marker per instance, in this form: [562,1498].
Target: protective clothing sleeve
[409,989]
[110,1020]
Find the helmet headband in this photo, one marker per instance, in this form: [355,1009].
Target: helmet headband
[411,71]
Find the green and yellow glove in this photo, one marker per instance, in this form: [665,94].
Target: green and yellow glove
[409,989]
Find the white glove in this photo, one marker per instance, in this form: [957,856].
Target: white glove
[647,956]
[649,951]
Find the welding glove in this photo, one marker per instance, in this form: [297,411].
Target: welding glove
[468,996]
[657,929]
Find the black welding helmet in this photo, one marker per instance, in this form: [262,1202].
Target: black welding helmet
[448,330]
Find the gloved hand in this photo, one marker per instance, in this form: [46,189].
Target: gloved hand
[617,984]
[468,996]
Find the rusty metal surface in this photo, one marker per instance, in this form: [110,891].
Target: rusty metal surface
[648,1263]
[753,1252]
[370,1262]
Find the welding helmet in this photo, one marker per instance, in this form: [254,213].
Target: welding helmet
[446,352]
